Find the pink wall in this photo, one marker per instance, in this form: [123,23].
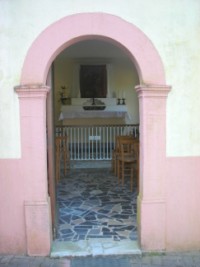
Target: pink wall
[182,203]
[24,182]
[169,187]
[12,194]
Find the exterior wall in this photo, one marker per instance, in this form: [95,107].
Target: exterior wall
[174,33]
[25,224]
[179,49]
[182,200]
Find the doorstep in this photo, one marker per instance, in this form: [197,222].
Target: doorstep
[94,247]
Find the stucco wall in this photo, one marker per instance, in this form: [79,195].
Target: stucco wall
[182,201]
[173,32]
[173,27]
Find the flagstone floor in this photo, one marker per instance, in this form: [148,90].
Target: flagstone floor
[92,205]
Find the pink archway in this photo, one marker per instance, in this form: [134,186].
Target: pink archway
[152,97]
[75,28]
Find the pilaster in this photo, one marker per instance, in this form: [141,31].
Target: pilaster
[32,100]
[151,200]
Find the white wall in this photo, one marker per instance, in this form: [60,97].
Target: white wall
[122,77]
[173,27]
[63,76]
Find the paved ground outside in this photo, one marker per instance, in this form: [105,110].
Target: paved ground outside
[191,259]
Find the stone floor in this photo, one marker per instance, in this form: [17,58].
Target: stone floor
[189,259]
[92,205]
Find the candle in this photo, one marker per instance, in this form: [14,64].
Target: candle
[123,94]
[118,93]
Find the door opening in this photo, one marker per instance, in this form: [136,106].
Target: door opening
[152,97]
[91,204]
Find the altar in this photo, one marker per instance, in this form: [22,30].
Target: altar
[111,114]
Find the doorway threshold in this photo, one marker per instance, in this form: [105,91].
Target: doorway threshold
[94,247]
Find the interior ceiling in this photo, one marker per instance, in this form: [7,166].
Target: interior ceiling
[93,49]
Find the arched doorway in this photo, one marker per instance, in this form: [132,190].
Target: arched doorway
[152,93]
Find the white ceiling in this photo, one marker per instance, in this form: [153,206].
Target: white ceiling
[93,49]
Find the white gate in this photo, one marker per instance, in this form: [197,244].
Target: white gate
[94,142]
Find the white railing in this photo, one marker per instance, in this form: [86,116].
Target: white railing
[94,142]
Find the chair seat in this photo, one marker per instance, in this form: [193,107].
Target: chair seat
[128,159]
[116,151]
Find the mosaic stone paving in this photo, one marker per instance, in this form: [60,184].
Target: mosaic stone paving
[92,205]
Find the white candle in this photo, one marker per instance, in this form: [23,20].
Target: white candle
[123,95]
[117,93]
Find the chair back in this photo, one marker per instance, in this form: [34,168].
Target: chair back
[119,138]
[61,143]
[127,147]
[62,154]
[136,149]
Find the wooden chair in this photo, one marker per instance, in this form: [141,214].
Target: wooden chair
[137,165]
[62,154]
[116,151]
[128,160]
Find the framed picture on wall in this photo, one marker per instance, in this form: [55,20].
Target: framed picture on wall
[93,81]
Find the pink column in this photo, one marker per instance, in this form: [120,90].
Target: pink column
[34,164]
[151,199]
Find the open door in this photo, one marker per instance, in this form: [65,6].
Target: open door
[51,151]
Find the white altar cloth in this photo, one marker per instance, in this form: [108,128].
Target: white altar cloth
[72,112]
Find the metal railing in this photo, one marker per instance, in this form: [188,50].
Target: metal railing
[94,142]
